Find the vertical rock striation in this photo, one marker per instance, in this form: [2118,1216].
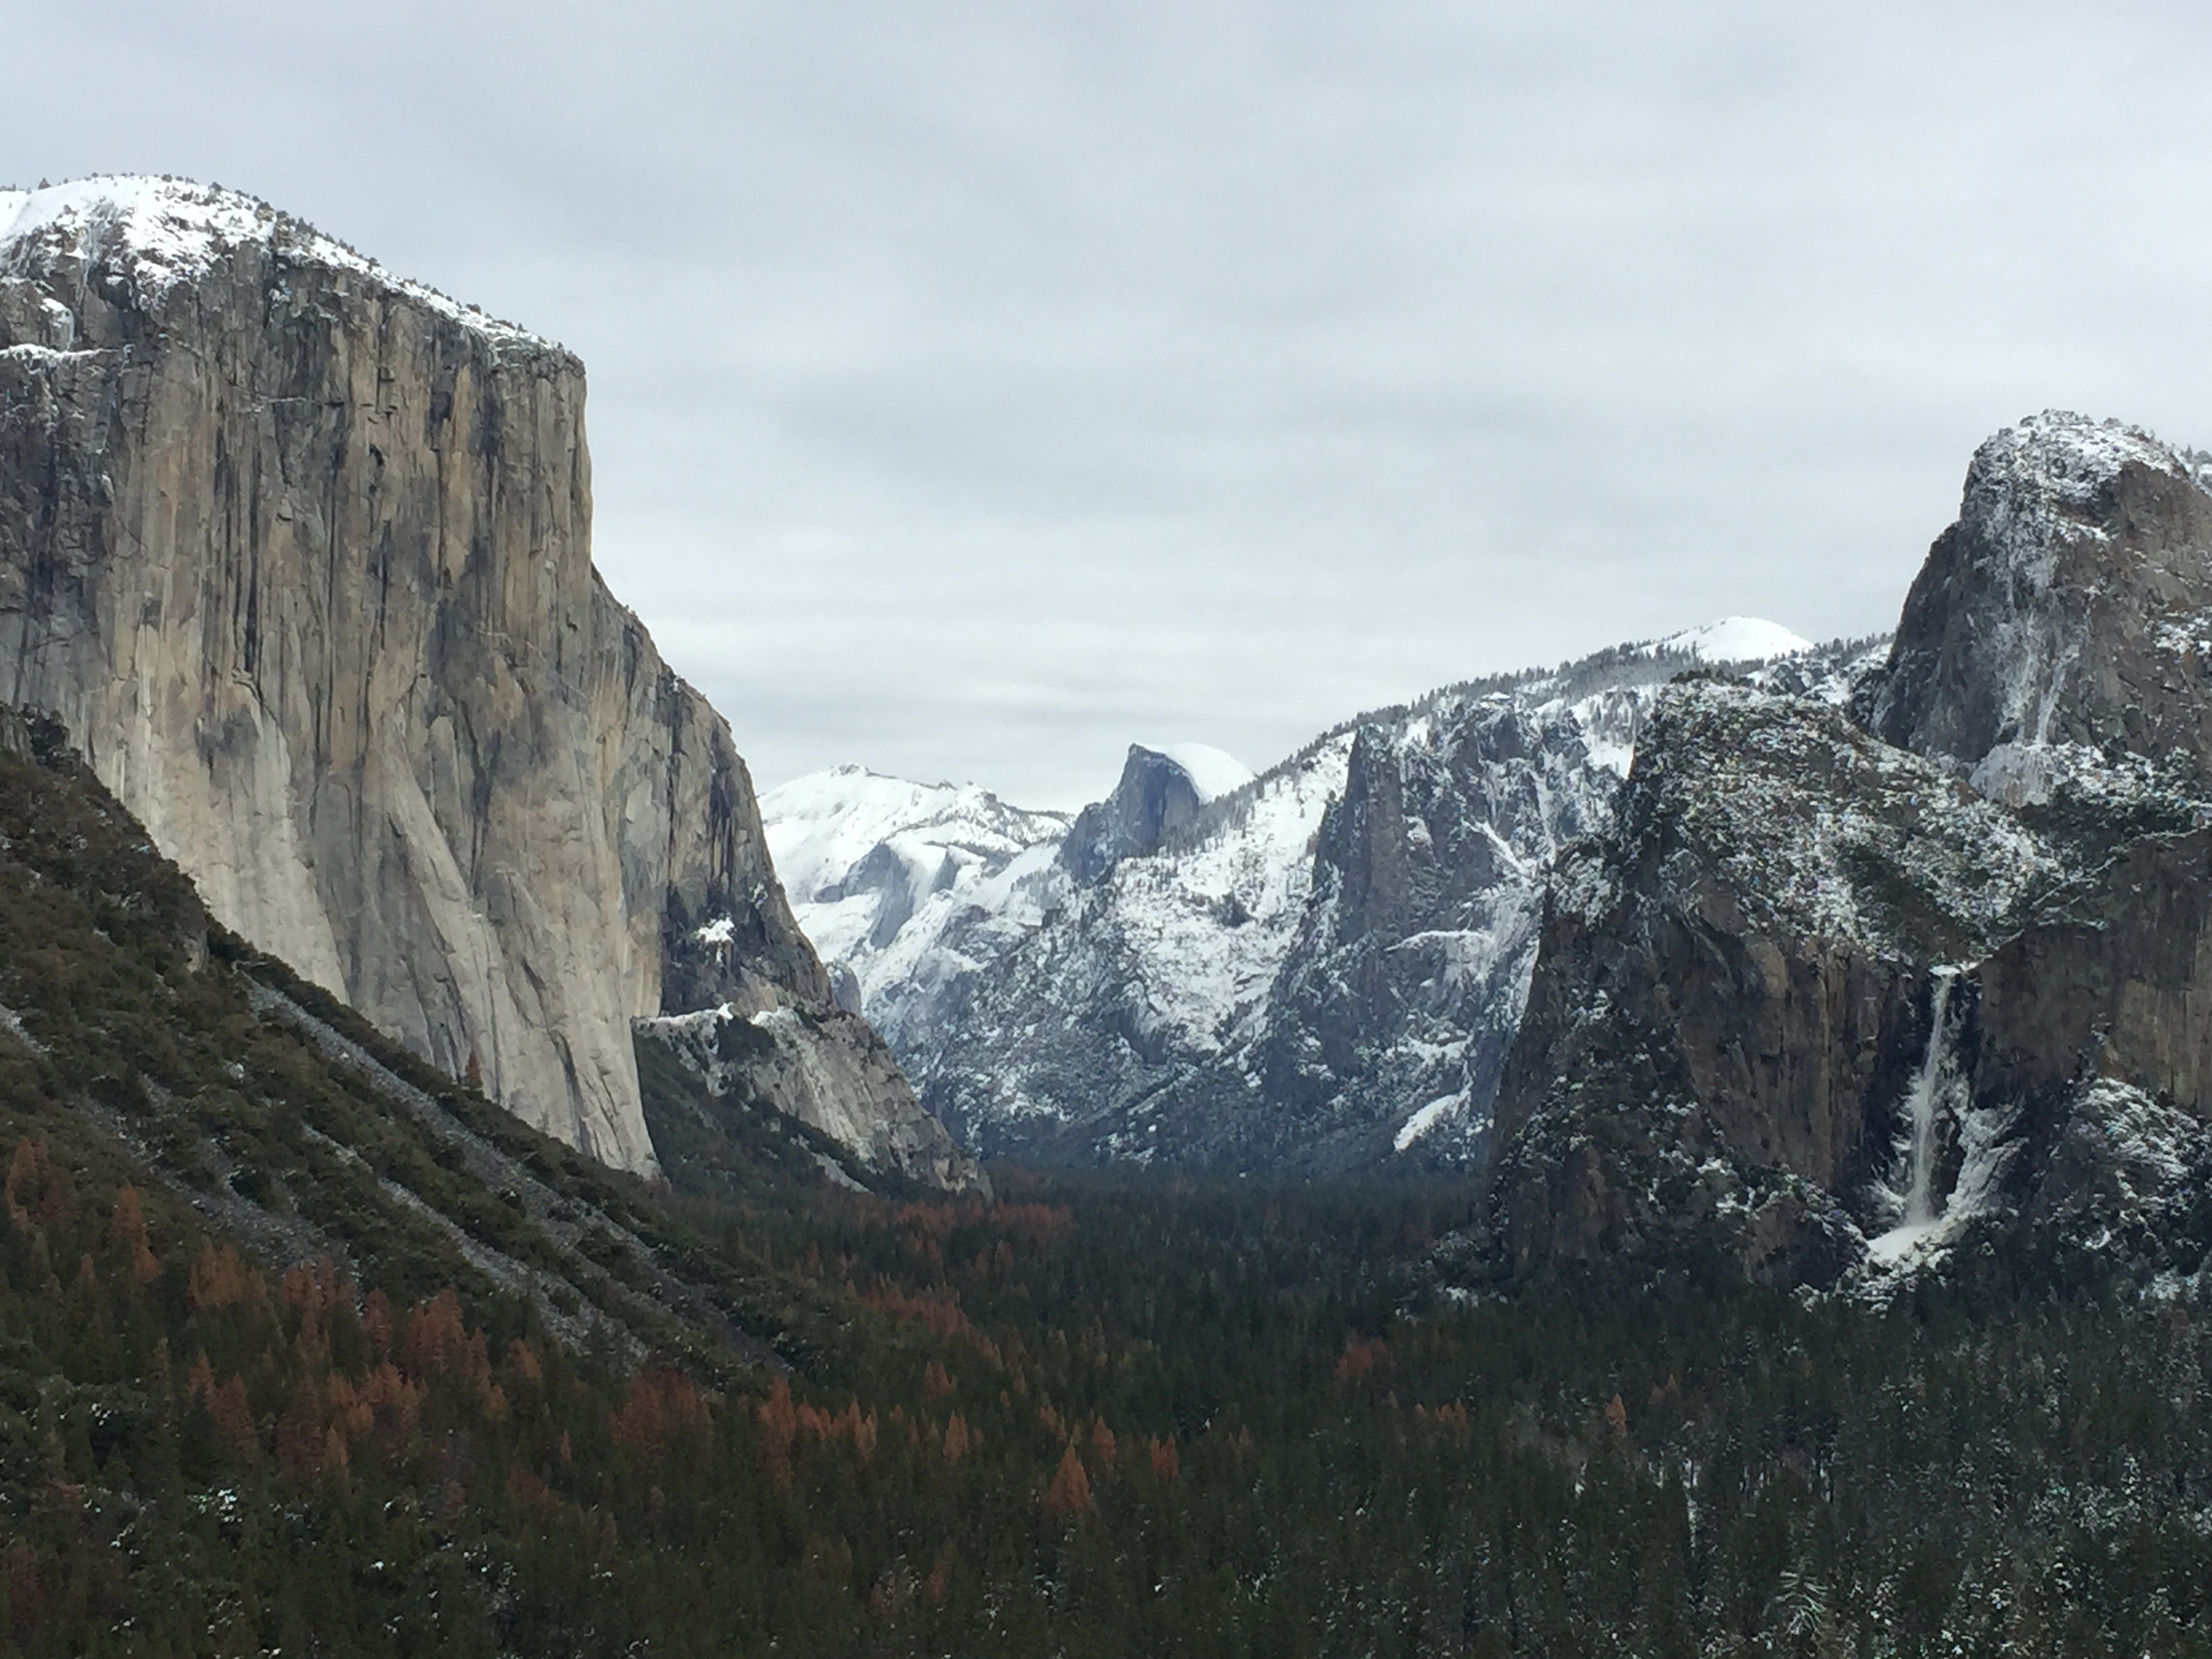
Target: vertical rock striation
[2071,603]
[300,554]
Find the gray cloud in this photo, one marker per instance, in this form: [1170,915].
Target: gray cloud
[977,387]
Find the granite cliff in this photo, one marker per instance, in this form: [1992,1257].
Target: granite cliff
[1838,985]
[300,554]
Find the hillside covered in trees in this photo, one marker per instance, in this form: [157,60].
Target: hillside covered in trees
[304,1348]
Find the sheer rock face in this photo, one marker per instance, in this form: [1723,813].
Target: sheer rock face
[1154,798]
[1827,991]
[2070,603]
[1731,993]
[2113,979]
[300,554]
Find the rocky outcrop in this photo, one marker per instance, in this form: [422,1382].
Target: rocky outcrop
[299,553]
[1824,996]
[1154,798]
[1733,993]
[827,1069]
[2071,603]
[1322,969]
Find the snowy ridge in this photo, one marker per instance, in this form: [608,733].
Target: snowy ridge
[165,231]
[1735,640]
[1325,966]
[907,887]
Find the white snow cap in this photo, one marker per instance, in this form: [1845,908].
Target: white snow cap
[2069,456]
[1737,639]
[172,229]
[1212,772]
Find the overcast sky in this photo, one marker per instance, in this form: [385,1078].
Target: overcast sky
[978,387]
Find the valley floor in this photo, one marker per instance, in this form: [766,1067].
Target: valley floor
[1090,1418]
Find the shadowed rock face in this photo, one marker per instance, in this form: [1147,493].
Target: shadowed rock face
[1730,995]
[2113,978]
[1154,798]
[1991,915]
[300,554]
[2070,603]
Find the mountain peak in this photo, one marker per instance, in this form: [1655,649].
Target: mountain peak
[2068,458]
[1735,639]
[165,230]
[2067,605]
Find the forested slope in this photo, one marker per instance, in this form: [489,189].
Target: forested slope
[303,1350]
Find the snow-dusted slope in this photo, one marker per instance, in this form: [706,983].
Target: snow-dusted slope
[167,231]
[1212,772]
[1072,1045]
[907,888]
[1319,967]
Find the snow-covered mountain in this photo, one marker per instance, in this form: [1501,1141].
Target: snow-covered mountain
[298,552]
[1318,968]
[1843,986]
[906,888]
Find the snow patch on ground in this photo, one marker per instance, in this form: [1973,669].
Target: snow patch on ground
[700,1023]
[1426,1118]
[1610,721]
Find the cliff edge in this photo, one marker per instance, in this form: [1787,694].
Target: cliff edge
[299,553]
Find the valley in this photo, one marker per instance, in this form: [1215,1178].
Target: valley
[1702,1148]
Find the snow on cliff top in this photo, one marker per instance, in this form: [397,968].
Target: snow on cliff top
[2068,458]
[1736,639]
[1212,772]
[173,229]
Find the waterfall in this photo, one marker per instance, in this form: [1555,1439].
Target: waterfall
[1930,1085]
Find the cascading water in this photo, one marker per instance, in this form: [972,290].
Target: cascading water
[1928,1087]
[1932,1085]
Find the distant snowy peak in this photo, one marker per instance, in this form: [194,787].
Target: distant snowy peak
[821,826]
[169,230]
[1734,639]
[1212,772]
[905,887]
